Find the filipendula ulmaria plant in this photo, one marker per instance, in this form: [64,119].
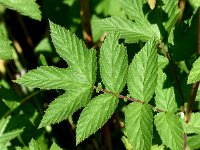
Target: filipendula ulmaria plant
[144,76]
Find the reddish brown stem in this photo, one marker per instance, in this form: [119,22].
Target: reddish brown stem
[86,25]
[129,98]
[182,8]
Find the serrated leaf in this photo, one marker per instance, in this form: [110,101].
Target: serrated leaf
[162,62]
[172,10]
[113,64]
[165,96]
[65,105]
[46,77]
[74,51]
[132,32]
[195,3]
[8,136]
[6,50]
[95,115]
[139,126]
[54,146]
[170,130]
[34,146]
[158,147]
[3,123]
[194,125]
[25,7]
[134,9]
[194,75]
[142,73]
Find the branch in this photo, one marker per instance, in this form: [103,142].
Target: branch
[128,98]
[86,25]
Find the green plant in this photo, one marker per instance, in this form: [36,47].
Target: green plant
[141,68]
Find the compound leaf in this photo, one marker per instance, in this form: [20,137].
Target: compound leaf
[65,105]
[142,73]
[139,125]
[170,130]
[113,64]
[131,31]
[46,77]
[75,52]
[194,75]
[25,7]
[95,115]
[165,97]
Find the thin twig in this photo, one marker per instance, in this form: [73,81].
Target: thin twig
[128,98]
[182,8]
[86,25]
[172,66]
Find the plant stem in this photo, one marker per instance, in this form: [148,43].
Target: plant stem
[172,66]
[182,8]
[195,85]
[86,25]
[129,98]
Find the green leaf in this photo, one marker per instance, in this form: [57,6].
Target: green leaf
[134,9]
[156,147]
[74,51]
[165,96]
[195,3]
[6,50]
[65,105]
[193,142]
[95,115]
[113,64]
[25,7]
[8,136]
[139,126]
[142,73]
[54,146]
[34,146]
[132,32]
[5,138]
[194,125]
[172,10]
[194,75]
[46,77]
[162,61]
[170,130]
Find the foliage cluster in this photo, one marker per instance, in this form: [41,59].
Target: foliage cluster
[136,84]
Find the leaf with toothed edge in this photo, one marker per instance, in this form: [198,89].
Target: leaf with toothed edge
[142,73]
[194,75]
[139,125]
[65,105]
[25,7]
[46,77]
[170,130]
[113,63]
[165,96]
[95,115]
[75,52]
